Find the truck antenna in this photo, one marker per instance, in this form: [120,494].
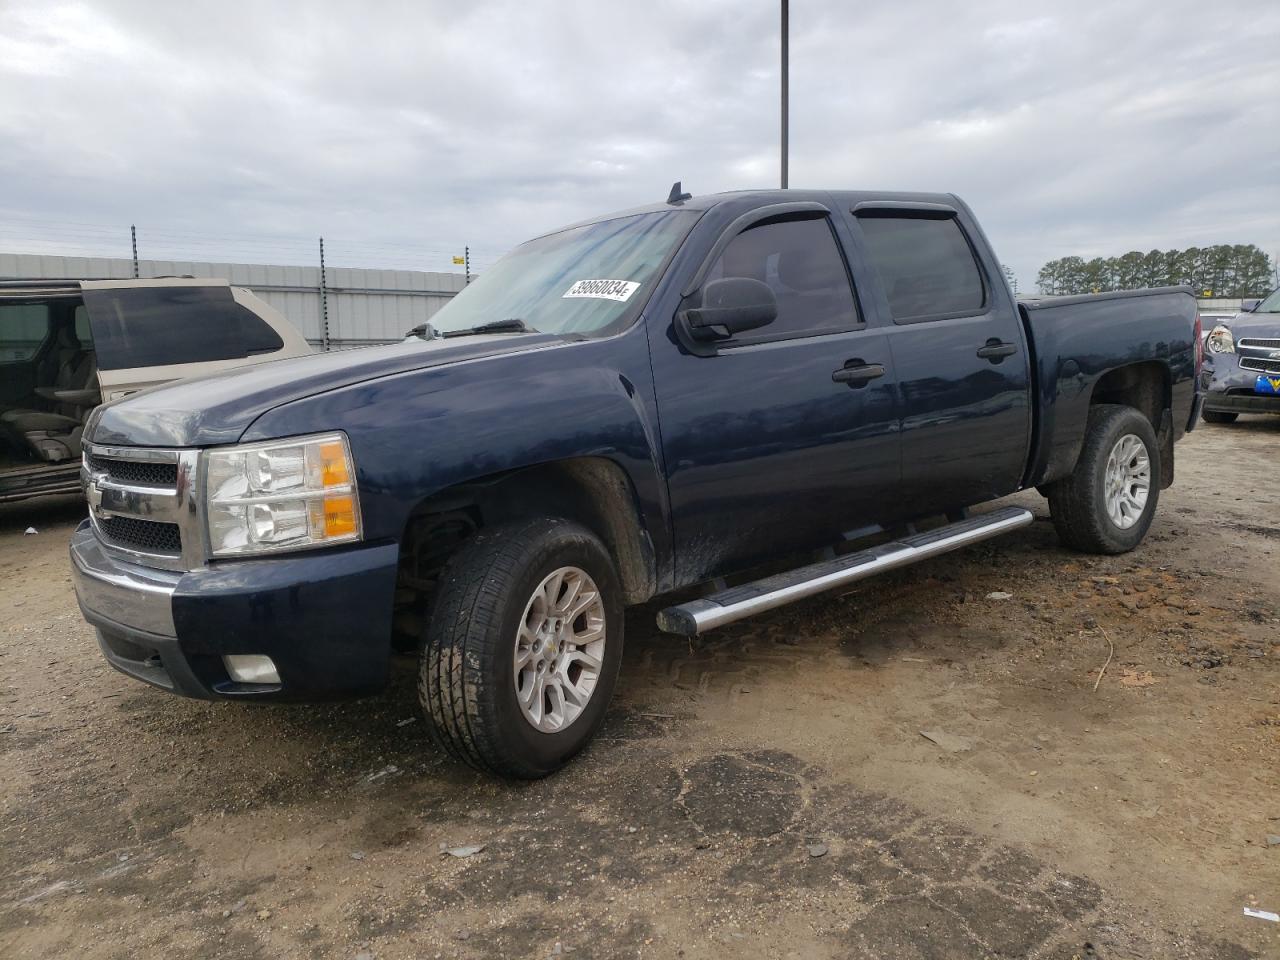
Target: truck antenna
[676,197]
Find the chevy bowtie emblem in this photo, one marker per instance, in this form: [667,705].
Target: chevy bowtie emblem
[93,493]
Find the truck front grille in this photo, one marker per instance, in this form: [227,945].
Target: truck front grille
[142,504]
[145,536]
[151,474]
[1265,344]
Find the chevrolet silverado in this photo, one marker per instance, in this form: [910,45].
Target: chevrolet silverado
[676,396]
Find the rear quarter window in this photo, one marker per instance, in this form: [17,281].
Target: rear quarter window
[157,326]
[926,266]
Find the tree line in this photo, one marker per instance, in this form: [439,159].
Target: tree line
[1223,270]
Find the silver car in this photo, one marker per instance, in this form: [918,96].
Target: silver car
[68,345]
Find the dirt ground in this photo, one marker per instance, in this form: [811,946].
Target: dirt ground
[766,791]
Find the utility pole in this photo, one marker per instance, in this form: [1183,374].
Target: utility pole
[133,236]
[324,302]
[785,69]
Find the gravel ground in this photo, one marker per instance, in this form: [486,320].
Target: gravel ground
[766,790]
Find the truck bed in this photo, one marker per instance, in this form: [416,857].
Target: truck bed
[1071,351]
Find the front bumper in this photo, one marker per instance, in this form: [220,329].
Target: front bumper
[1229,387]
[324,618]
[1241,403]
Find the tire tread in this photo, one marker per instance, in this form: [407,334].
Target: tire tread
[463,632]
[1079,515]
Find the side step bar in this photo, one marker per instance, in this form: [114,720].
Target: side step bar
[699,616]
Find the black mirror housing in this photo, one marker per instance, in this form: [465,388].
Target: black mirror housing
[731,306]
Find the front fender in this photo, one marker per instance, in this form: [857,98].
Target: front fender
[415,434]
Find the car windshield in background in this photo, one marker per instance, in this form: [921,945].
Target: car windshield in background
[582,280]
[1269,305]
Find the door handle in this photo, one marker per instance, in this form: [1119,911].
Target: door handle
[856,373]
[996,350]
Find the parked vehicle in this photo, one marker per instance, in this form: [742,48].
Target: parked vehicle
[618,410]
[1242,363]
[66,345]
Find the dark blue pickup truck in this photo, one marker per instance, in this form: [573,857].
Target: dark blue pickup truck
[628,407]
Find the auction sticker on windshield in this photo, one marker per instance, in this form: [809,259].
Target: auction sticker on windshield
[620,290]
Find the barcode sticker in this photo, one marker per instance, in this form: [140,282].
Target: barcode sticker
[620,290]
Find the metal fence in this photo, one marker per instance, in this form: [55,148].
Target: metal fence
[354,307]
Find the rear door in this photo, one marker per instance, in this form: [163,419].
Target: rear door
[959,350]
[157,332]
[768,449]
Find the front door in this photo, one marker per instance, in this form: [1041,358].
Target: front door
[785,436]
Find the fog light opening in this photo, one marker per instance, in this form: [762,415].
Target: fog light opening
[251,668]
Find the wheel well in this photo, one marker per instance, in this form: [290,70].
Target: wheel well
[593,491]
[1146,388]
[1143,386]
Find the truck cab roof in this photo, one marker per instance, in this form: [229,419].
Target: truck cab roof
[742,200]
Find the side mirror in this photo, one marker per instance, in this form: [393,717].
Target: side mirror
[1248,306]
[731,306]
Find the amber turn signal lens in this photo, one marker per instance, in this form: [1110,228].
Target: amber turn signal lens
[333,465]
[339,516]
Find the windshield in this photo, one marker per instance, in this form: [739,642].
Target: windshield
[582,280]
[1269,305]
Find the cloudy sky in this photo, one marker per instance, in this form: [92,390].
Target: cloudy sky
[244,130]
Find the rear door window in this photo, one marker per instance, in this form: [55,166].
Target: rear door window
[158,326]
[926,266]
[801,262]
[24,327]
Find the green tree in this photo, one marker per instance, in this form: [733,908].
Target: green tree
[1048,279]
[1127,272]
[1229,270]
[1011,277]
[1155,269]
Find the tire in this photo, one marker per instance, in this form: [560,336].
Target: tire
[1213,416]
[1079,502]
[467,674]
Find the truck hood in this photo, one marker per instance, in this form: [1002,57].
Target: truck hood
[207,411]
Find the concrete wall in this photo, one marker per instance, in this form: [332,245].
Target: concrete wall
[365,306]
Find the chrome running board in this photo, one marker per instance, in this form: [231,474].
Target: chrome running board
[699,616]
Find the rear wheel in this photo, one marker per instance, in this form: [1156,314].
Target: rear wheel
[1213,416]
[1107,503]
[522,648]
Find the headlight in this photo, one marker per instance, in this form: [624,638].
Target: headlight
[1220,340]
[281,495]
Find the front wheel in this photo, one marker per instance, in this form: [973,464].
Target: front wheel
[1214,416]
[1107,503]
[522,649]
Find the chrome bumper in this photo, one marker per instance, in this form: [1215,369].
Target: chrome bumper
[112,593]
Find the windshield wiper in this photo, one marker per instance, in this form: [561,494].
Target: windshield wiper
[423,331]
[510,325]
